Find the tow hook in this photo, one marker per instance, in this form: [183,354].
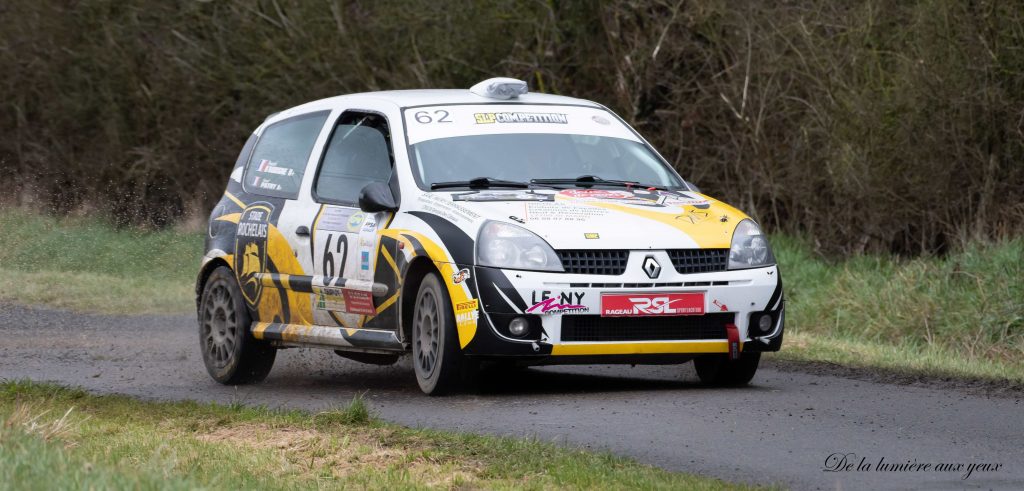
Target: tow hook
[733,335]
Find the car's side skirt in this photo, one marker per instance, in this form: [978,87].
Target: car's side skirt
[366,340]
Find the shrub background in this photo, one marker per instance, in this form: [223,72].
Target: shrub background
[869,126]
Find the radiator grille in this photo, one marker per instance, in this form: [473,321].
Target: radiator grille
[687,261]
[689,327]
[599,261]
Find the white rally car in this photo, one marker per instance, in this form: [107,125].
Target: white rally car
[481,225]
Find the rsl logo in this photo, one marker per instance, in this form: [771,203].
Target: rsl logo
[251,249]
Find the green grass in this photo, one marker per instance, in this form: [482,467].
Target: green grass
[113,442]
[959,315]
[88,265]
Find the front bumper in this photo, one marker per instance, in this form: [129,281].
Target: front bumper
[573,327]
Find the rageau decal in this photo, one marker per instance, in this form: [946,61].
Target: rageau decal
[520,117]
[251,249]
[652,304]
[548,302]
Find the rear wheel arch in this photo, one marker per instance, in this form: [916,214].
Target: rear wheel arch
[204,275]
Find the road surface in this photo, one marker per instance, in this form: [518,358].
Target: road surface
[780,430]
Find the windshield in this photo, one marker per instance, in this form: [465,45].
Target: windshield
[522,157]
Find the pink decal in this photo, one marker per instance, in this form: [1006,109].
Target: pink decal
[550,305]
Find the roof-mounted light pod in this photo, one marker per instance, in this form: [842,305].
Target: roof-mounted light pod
[500,88]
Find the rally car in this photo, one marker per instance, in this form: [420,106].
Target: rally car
[489,225]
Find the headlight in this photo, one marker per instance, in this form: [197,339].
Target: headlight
[750,247]
[503,245]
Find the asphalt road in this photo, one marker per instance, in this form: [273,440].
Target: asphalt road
[780,430]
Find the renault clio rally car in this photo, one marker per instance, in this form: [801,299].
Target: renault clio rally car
[481,225]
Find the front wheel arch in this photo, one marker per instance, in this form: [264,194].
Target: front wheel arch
[418,269]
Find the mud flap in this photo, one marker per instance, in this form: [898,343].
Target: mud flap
[733,335]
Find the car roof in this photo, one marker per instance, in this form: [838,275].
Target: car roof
[425,97]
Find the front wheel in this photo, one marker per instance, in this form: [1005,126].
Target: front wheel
[720,371]
[231,354]
[436,356]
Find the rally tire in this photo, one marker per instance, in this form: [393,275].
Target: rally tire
[720,371]
[436,356]
[231,354]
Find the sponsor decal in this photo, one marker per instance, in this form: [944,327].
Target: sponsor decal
[694,216]
[334,218]
[503,196]
[251,249]
[445,207]
[721,306]
[638,197]
[601,120]
[460,276]
[268,167]
[467,312]
[467,306]
[562,303]
[596,194]
[325,301]
[516,219]
[651,304]
[518,117]
[359,302]
[591,235]
[364,260]
[355,221]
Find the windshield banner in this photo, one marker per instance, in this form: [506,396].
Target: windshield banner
[433,122]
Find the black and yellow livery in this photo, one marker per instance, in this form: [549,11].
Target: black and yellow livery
[393,223]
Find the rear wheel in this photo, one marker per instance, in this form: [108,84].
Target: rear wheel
[436,356]
[231,355]
[720,371]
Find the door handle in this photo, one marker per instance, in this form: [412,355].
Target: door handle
[302,231]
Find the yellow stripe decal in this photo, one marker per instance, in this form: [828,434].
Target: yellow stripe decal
[387,303]
[387,257]
[236,200]
[258,328]
[680,347]
[230,217]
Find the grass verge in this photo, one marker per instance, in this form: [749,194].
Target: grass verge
[85,264]
[961,315]
[57,438]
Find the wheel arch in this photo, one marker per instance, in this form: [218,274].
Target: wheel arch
[418,269]
[204,274]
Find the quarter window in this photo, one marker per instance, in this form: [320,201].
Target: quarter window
[280,157]
[358,153]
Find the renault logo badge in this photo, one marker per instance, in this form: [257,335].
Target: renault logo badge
[651,267]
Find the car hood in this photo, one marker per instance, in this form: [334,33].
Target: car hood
[599,218]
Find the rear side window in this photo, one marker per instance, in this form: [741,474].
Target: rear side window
[281,154]
[358,153]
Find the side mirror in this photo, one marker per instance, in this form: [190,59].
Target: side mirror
[375,197]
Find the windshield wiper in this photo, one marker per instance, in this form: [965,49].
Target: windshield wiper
[589,181]
[481,182]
